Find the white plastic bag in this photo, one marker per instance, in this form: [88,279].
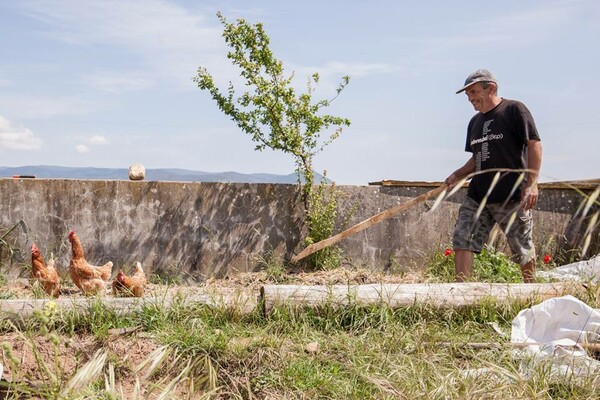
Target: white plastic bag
[556,328]
[587,270]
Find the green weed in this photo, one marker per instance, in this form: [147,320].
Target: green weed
[488,266]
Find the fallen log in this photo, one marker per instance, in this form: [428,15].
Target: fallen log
[447,295]
[19,309]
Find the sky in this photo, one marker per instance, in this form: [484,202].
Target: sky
[109,83]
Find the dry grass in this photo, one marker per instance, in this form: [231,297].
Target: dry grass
[198,351]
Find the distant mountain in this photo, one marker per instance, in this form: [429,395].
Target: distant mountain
[159,174]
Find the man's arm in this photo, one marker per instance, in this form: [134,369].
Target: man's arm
[460,173]
[529,196]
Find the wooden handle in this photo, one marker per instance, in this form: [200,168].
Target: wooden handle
[375,219]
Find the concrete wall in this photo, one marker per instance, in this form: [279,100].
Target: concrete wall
[413,236]
[199,230]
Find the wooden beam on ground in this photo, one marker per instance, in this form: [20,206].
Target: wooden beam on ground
[17,309]
[403,295]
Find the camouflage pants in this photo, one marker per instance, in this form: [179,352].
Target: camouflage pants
[471,233]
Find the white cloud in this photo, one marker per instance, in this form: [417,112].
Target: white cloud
[170,40]
[13,137]
[137,24]
[82,148]
[98,140]
[90,142]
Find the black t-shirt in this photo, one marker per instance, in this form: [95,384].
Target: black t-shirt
[498,139]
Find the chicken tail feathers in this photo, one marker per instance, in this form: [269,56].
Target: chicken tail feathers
[106,271]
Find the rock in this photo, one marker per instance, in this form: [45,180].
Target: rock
[312,348]
[137,172]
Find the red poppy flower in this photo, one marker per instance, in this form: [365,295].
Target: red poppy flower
[547,259]
[448,252]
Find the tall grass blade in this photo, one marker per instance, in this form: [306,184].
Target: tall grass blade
[458,186]
[109,381]
[517,184]
[510,222]
[167,393]
[590,201]
[438,200]
[588,233]
[484,201]
[87,373]
[154,359]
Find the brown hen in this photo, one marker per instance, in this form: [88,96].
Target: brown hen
[133,285]
[89,278]
[44,273]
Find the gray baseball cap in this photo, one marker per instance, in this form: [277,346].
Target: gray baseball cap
[481,75]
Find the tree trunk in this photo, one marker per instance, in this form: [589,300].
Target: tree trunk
[403,295]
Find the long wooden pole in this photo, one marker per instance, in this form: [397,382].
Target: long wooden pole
[398,295]
[377,218]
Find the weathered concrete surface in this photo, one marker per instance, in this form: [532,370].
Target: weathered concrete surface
[405,239]
[413,236]
[199,230]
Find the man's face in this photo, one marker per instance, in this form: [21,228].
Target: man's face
[480,98]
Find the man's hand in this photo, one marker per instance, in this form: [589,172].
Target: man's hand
[529,197]
[450,181]
[460,173]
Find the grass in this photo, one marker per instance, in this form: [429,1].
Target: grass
[195,351]
[363,352]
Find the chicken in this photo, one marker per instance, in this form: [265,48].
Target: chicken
[44,273]
[133,285]
[89,278]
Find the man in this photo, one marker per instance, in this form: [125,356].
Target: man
[504,141]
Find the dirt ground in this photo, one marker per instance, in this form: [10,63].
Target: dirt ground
[66,355]
[245,281]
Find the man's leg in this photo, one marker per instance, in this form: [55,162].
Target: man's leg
[463,264]
[469,236]
[520,237]
[528,271]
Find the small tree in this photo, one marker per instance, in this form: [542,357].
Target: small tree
[270,111]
